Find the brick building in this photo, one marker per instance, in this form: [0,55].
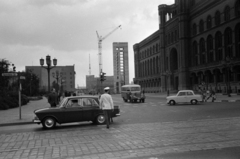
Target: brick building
[197,45]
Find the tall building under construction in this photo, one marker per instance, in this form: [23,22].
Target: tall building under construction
[120,65]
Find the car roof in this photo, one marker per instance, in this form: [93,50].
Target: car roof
[131,85]
[186,91]
[83,96]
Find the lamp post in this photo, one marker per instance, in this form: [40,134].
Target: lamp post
[168,74]
[57,76]
[226,64]
[48,67]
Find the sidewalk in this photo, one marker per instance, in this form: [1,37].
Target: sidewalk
[12,117]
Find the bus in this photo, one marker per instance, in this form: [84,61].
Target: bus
[132,93]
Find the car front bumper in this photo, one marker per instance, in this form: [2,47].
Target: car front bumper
[36,120]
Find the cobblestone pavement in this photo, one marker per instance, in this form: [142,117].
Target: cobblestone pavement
[124,141]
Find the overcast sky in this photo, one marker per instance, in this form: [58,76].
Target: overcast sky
[66,30]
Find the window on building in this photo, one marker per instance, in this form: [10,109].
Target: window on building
[217,18]
[201,26]
[116,48]
[194,29]
[218,46]
[209,22]
[227,13]
[210,49]
[237,8]
[202,52]
[237,37]
[120,48]
[195,54]
[228,42]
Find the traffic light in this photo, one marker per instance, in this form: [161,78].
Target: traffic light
[102,76]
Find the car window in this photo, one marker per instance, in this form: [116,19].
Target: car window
[73,103]
[189,93]
[182,94]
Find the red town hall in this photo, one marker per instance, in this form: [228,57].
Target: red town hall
[197,46]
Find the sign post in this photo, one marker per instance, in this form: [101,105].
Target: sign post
[20,102]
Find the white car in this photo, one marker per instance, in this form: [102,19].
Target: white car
[184,96]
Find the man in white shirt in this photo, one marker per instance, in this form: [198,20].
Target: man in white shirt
[106,104]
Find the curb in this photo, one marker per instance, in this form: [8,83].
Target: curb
[17,123]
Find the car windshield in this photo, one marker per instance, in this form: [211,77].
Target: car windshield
[135,88]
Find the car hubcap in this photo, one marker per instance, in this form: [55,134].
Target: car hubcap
[101,119]
[49,123]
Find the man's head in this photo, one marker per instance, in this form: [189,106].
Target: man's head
[106,89]
[53,90]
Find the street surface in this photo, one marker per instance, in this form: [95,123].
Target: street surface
[152,130]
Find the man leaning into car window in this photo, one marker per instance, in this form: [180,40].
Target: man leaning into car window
[106,104]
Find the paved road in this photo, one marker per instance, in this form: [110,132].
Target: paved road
[136,139]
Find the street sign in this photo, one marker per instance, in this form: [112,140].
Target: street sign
[9,74]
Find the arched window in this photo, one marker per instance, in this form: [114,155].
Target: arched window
[157,67]
[218,46]
[209,22]
[154,49]
[237,8]
[217,18]
[227,13]
[228,42]
[154,66]
[195,54]
[210,49]
[237,37]
[194,29]
[202,51]
[201,26]
[172,37]
[169,39]
[176,35]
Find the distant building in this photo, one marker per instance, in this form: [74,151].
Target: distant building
[120,65]
[197,46]
[94,86]
[66,80]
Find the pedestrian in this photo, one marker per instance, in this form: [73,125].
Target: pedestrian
[106,104]
[53,98]
[213,96]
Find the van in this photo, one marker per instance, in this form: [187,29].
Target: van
[132,93]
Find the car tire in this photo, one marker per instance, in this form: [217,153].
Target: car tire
[143,100]
[194,101]
[49,123]
[172,102]
[100,119]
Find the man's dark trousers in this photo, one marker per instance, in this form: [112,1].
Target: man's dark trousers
[107,114]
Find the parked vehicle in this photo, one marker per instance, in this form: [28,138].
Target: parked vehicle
[73,109]
[132,93]
[184,96]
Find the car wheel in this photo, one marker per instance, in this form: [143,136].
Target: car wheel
[172,102]
[143,100]
[49,122]
[194,101]
[100,119]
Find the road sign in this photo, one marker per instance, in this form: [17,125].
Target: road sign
[9,74]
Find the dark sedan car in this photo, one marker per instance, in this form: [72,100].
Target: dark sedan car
[73,109]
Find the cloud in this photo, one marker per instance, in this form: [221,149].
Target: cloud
[67,29]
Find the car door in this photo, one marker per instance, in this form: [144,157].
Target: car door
[90,109]
[189,96]
[72,112]
[181,98]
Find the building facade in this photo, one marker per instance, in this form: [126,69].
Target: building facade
[120,65]
[94,86]
[197,46]
[65,77]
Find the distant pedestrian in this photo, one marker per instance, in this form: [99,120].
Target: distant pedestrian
[106,104]
[213,96]
[53,98]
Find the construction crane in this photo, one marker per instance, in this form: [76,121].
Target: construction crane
[100,39]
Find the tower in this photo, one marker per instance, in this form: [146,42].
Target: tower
[120,65]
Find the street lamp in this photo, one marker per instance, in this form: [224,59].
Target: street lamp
[57,76]
[226,63]
[48,67]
